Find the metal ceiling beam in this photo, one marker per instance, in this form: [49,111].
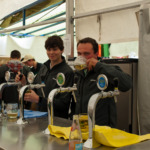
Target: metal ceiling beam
[33,25]
[24,17]
[45,27]
[61,14]
[54,32]
[111,9]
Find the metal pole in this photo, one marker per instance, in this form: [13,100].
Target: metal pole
[111,9]
[70,23]
[33,25]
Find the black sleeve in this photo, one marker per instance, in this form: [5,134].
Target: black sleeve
[42,104]
[3,69]
[25,70]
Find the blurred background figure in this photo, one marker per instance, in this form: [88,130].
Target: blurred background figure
[30,61]
[10,94]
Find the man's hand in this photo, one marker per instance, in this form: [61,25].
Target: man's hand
[31,97]
[91,63]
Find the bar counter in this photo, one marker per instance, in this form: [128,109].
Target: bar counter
[30,136]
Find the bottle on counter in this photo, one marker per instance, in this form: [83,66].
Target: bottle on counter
[27,105]
[75,138]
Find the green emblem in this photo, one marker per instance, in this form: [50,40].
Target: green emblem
[60,79]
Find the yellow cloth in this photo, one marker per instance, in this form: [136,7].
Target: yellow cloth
[104,135]
[116,138]
[64,132]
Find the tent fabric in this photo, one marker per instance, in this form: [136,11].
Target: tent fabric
[144,73]
[3,42]
[18,16]
[120,26]
[17,4]
[28,45]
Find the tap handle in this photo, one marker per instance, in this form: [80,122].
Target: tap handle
[116,82]
[21,75]
[75,79]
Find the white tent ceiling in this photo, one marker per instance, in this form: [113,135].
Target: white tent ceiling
[19,4]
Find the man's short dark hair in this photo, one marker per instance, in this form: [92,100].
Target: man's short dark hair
[89,40]
[54,41]
[15,54]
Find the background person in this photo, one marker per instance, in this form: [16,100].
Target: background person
[30,61]
[10,94]
[105,113]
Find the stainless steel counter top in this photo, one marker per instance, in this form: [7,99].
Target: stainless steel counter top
[31,137]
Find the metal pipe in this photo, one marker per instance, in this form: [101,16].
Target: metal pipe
[50,103]
[33,25]
[2,87]
[21,119]
[91,113]
[111,9]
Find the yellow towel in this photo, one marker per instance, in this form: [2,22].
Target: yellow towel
[117,138]
[104,135]
[64,132]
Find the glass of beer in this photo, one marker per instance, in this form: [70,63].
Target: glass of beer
[80,63]
[83,121]
[12,110]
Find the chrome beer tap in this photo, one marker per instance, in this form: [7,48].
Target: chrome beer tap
[60,79]
[9,77]
[2,87]
[30,77]
[102,84]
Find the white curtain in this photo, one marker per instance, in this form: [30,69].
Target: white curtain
[27,45]
[120,26]
[3,42]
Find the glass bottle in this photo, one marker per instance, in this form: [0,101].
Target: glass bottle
[75,138]
[26,103]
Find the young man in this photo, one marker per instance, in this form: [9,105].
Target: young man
[30,61]
[10,94]
[47,74]
[105,113]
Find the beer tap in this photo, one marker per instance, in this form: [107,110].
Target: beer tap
[102,83]
[2,87]
[14,66]
[22,91]
[60,79]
